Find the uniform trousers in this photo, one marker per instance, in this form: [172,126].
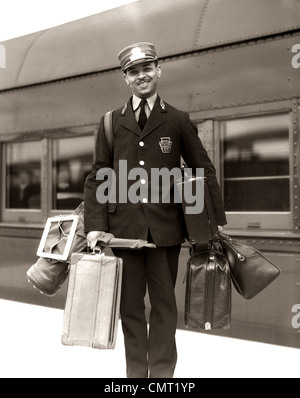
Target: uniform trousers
[150,352]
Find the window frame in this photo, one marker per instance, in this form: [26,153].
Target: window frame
[36,217]
[280,220]
[257,221]
[20,216]
[51,211]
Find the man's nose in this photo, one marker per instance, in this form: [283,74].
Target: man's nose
[141,74]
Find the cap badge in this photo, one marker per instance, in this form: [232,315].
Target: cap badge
[165,144]
[136,53]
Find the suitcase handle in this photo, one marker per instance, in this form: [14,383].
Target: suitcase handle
[97,250]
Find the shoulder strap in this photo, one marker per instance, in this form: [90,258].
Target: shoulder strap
[108,128]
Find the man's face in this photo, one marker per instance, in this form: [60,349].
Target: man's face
[142,79]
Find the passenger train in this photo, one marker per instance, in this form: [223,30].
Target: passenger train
[233,65]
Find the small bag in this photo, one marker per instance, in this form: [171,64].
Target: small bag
[208,291]
[251,271]
[55,249]
[48,275]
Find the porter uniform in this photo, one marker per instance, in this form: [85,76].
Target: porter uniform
[167,135]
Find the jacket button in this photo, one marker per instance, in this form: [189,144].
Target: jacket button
[142,163]
[141,143]
[145,200]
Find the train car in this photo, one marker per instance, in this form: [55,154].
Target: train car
[233,65]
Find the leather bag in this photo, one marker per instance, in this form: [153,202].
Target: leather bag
[48,274]
[208,282]
[208,291]
[251,271]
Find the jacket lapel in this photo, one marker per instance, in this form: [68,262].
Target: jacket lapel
[156,118]
[128,119]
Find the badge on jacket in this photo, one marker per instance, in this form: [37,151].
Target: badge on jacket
[165,144]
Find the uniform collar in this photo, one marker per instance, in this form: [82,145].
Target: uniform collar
[156,118]
[150,101]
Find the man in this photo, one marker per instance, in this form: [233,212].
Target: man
[167,135]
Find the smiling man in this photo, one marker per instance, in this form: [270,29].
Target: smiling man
[142,79]
[148,134]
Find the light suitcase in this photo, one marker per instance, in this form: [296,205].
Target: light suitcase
[93,301]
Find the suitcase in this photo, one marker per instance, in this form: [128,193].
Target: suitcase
[93,301]
[208,291]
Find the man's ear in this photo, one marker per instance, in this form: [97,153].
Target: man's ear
[159,71]
[126,78]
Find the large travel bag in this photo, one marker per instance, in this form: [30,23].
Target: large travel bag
[93,301]
[208,291]
[251,270]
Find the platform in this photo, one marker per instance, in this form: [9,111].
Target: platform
[30,347]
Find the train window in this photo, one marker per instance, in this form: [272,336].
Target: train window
[23,175]
[256,167]
[72,160]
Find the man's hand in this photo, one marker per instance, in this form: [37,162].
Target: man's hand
[93,237]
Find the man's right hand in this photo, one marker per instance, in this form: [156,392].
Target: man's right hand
[93,237]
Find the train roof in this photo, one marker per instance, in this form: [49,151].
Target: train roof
[90,45]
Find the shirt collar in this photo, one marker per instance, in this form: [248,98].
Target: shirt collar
[150,101]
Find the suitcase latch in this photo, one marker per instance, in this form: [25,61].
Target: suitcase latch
[207,326]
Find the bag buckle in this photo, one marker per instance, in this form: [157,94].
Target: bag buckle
[207,326]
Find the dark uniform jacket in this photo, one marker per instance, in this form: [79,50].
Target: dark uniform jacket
[144,150]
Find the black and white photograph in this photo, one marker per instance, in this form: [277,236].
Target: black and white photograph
[150,191]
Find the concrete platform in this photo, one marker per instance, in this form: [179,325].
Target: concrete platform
[30,347]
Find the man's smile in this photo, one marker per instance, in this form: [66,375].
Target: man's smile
[143,83]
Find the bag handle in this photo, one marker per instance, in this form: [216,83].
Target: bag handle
[210,213]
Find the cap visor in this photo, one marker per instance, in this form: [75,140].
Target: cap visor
[139,61]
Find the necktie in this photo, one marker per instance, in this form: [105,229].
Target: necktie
[143,117]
